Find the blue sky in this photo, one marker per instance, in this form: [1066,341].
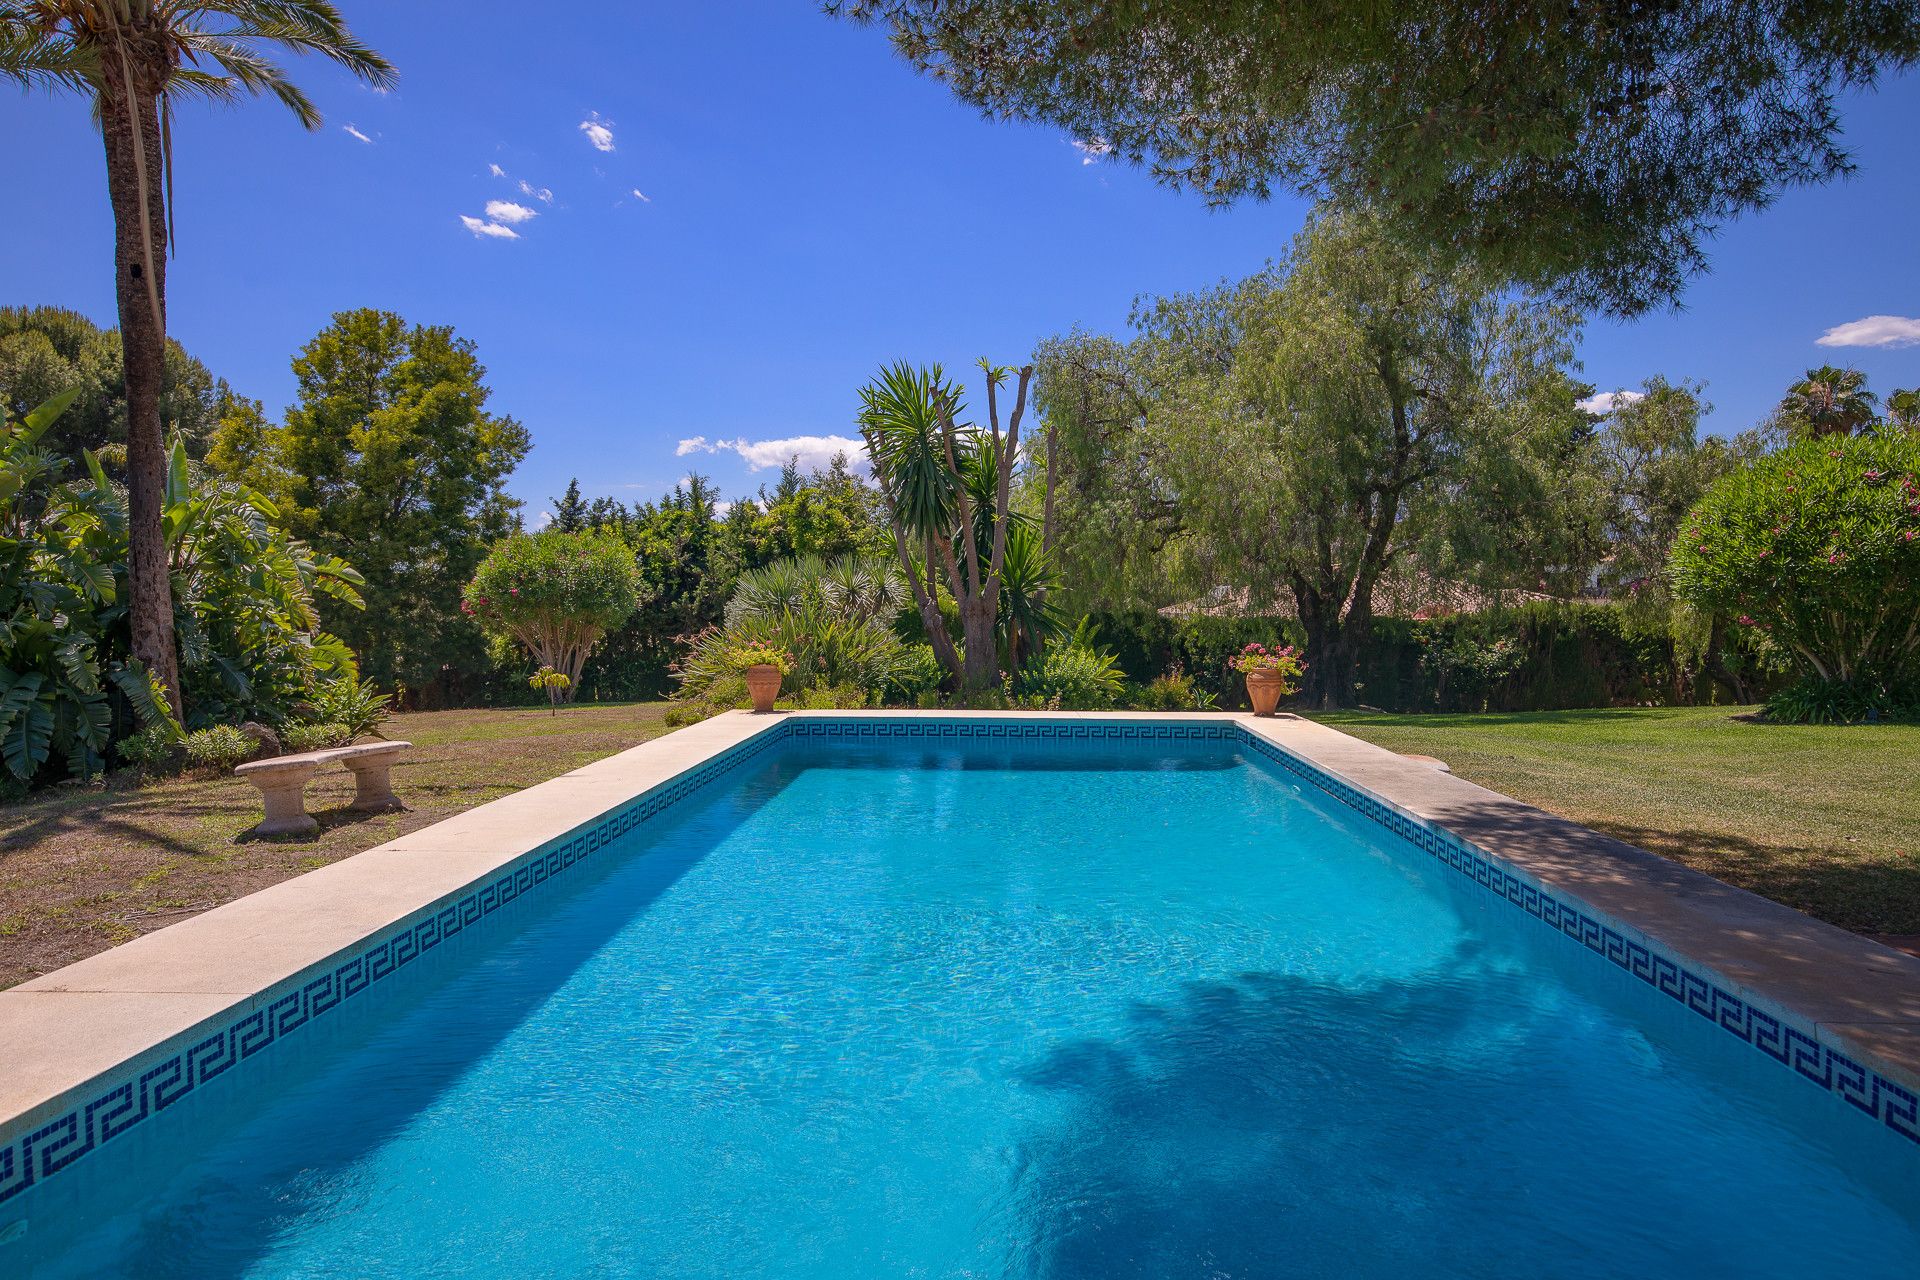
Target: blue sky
[812,209]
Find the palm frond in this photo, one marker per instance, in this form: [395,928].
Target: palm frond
[37,59]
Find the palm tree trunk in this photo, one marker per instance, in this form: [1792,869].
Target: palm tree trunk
[978,624]
[130,124]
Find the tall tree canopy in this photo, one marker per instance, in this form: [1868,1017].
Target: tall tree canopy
[391,461]
[1297,435]
[47,350]
[1591,146]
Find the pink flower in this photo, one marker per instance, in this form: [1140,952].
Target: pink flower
[1766,553]
[1745,621]
[513,591]
[1834,558]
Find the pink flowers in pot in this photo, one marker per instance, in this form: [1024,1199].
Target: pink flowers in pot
[1257,657]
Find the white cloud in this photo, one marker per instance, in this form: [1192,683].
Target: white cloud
[542,194]
[1092,149]
[481,227]
[599,132]
[642,196]
[356,133]
[496,171]
[813,452]
[542,520]
[508,211]
[1874,331]
[1606,402]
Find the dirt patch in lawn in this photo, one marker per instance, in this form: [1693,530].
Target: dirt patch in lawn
[86,867]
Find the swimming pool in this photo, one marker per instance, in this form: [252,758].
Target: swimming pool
[960,1000]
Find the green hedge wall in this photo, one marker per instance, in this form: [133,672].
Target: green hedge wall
[1537,657]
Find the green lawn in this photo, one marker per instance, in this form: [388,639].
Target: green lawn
[1826,819]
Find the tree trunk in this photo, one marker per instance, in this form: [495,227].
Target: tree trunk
[977,618]
[130,125]
[1330,654]
[1716,663]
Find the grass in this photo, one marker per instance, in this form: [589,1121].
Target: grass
[85,867]
[1822,818]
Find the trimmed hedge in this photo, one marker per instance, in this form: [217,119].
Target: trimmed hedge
[1537,657]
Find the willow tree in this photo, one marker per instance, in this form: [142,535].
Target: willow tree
[1591,146]
[133,59]
[947,489]
[1294,437]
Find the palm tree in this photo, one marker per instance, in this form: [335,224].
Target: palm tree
[1903,408]
[134,59]
[1832,401]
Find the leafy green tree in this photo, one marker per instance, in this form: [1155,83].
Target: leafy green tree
[1592,147]
[1357,409]
[132,60]
[1654,466]
[557,594]
[390,459]
[47,350]
[1817,547]
[1827,402]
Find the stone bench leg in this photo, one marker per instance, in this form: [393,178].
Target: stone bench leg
[284,795]
[372,791]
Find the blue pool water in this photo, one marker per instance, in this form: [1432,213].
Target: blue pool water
[1000,1011]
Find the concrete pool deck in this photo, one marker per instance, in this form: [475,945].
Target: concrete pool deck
[65,1035]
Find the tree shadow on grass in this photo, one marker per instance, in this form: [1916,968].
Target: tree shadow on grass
[1855,886]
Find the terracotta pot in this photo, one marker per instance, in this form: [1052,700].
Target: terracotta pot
[1264,686]
[763,682]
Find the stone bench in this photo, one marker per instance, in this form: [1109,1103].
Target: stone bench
[282,781]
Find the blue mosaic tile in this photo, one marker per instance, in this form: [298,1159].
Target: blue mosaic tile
[1056,730]
[1796,1048]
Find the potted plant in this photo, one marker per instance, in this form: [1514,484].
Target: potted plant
[1270,674]
[763,665]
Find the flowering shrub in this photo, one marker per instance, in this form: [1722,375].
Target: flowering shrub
[556,593]
[1257,657]
[1817,550]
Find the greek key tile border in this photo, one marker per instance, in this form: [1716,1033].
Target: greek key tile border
[32,1157]
[1051,730]
[1795,1047]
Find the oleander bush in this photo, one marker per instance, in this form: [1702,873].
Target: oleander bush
[556,594]
[1815,550]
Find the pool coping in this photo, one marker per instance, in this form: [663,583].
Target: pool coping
[68,1034]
